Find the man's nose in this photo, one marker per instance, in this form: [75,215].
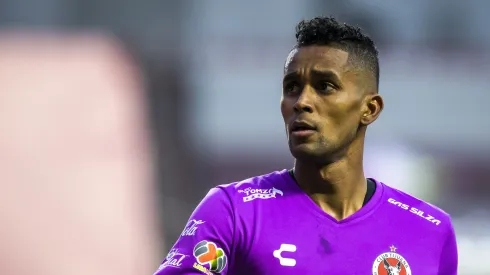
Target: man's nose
[304,101]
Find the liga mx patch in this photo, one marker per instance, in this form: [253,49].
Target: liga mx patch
[209,255]
[391,263]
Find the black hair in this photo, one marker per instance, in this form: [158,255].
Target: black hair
[328,31]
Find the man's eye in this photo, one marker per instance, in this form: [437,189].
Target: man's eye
[291,88]
[326,87]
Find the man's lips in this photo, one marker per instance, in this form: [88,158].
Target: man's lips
[302,128]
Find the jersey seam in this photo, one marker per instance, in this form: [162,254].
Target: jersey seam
[232,248]
[446,240]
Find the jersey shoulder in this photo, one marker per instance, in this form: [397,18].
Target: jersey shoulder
[416,206]
[259,187]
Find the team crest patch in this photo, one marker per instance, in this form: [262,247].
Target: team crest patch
[391,263]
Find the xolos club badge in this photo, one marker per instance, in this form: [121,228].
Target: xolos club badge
[391,263]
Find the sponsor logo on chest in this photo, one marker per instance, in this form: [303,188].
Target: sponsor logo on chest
[415,211]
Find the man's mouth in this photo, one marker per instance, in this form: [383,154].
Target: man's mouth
[302,128]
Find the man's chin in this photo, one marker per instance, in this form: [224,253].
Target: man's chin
[304,151]
[310,153]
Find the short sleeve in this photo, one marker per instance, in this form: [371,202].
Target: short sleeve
[205,244]
[448,264]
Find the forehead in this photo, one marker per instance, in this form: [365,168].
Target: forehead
[316,57]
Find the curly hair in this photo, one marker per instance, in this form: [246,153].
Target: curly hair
[330,32]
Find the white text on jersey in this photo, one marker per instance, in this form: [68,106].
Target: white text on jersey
[415,211]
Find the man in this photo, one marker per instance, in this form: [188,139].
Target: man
[323,216]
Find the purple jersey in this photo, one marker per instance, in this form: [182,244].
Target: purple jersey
[268,225]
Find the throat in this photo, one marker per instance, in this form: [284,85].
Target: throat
[338,208]
[341,205]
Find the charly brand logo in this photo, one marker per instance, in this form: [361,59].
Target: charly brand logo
[283,260]
[209,257]
[191,228]
[391,263]
[174,259]
[252,194]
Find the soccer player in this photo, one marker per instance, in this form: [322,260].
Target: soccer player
[323,216]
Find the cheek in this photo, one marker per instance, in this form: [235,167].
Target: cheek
[286,110]
[347,102]
[343,113]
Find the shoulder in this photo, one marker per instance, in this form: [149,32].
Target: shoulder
[434,218]
[224,198]
[258,187]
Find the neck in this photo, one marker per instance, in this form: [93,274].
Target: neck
[338,188]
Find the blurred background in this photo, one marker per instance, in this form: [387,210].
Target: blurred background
[184,95]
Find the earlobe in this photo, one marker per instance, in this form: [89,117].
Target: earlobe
[366,119]
[374,106]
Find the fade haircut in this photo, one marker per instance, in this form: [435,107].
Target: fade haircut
[327,31]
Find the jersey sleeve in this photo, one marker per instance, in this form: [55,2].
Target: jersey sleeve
[448,264]
[205,244]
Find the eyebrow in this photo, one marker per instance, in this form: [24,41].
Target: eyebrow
[317,73]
